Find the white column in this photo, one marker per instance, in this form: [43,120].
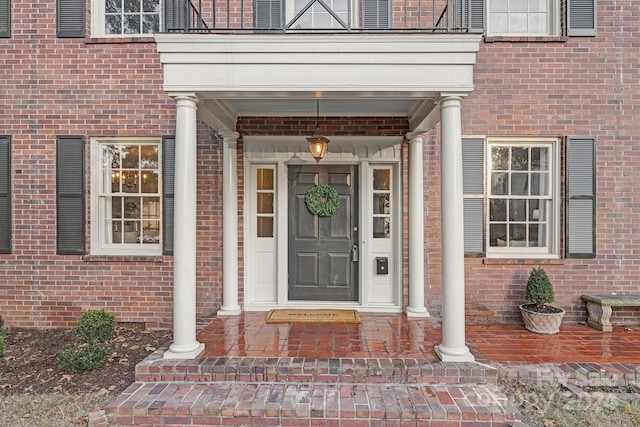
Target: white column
[229,225]
[416,306]
[185,345]
[453,347]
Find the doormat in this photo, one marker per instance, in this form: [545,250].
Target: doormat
[313,316]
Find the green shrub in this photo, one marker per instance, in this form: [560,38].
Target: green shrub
[3,331]
[83,357]
[539,288]
[95,326]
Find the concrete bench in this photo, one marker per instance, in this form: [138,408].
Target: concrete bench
[599,308]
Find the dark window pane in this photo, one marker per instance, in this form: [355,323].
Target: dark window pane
[498,210]
[265,226]
[131,6]
[132,207]
[112,24]
[498,235]
[265,202]
[132,24]
[381,179]
[517,210]
[517,235]
[265,179]
[499,183]
[381,228]
[381,204]
[113,6]
[150,24]
[520,184]
[151,5]
[500,158]
[520,159]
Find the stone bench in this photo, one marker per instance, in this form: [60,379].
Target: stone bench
[599,308]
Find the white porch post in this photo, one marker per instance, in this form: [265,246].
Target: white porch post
[453,347]
[185,345]
[416,306]
[229,225]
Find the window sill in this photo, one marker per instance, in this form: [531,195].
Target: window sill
[526,39]
[123,258]
[114,40]
[522,261]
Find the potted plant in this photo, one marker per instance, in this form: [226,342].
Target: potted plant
[538,314]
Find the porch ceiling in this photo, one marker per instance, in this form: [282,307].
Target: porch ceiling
[238,75]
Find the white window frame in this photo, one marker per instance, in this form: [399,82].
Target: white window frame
[553,231]
[98,18]
[291,13]
[99,233]
[553,21]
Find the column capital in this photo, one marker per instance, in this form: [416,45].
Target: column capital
[450,96]
[184,95]
[415,137]
[229,138]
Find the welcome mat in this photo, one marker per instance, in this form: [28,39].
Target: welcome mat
[313,316]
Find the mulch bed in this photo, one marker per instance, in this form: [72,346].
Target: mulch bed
[29,364]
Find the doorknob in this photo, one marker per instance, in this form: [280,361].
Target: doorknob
[354,253]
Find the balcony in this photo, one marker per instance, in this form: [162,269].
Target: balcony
[276,57]
[215,16]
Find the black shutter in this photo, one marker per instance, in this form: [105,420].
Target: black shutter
[469,14]
[580,198]
[268,14]
[375,14]
[168,175]
[70,18]
[5,194]
[70,195]
[5,18]
[174,14]
[581,17]
[473,189]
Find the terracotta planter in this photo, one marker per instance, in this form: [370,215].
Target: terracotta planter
[542,323]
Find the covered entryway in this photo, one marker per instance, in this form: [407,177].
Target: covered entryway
[323,250]
[223,77]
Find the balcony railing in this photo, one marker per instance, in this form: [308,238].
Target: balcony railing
[211,16]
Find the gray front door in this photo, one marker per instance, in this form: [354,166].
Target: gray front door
[322,262]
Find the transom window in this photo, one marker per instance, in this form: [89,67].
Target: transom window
[522,17]
[521,200]
[127,204]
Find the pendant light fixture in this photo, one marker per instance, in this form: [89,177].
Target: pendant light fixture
[318,144]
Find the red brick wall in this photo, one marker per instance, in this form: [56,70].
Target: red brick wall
[584,86]
[69,87]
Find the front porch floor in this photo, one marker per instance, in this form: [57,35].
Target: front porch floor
[381,372]
[398,336]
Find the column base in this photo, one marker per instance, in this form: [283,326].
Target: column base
[416,312]
[186,352]
[230,311]
[461,354]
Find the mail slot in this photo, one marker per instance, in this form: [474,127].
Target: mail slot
[382,265]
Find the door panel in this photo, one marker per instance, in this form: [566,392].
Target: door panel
[320,262]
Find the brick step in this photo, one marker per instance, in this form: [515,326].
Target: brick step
[307,404]
[313,370]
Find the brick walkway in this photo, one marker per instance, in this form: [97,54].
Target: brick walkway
[382,372]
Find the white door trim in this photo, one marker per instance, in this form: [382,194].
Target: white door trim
[365,152]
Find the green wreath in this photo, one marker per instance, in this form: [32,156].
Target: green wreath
[322,200]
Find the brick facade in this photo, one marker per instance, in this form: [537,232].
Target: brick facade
[52,86]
